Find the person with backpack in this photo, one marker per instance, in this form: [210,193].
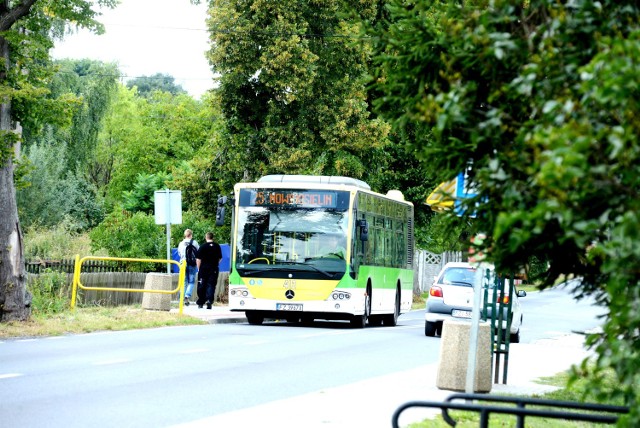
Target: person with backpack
[187,250]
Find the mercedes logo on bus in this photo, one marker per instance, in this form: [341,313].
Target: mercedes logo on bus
[289,294]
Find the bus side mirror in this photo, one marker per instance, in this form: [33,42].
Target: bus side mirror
[220,211]
[364,230]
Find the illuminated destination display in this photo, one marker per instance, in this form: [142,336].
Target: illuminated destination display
[292,198]
[310,199]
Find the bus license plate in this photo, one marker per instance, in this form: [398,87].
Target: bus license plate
[288,306]
[460,314]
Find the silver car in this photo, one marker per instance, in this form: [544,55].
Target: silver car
[451,297]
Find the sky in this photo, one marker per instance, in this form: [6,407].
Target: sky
[145,37]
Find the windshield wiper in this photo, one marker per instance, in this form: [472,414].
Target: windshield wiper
[317,269]
[250,272]
[466,284]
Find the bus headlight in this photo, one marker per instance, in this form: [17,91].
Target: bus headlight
[241,292]
[340,295]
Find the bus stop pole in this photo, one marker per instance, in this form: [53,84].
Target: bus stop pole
[168,230]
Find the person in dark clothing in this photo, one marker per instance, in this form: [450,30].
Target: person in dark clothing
[208,259]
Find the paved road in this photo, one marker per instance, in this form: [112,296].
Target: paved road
[270,376]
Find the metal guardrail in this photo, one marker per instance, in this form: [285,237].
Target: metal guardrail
[574,411]
[78,268]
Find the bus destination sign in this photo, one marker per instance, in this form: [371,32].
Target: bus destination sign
[291,198]
[294,198]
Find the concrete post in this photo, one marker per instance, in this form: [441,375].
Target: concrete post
[157,301]
[454,355]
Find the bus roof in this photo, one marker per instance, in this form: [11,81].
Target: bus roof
[319,179]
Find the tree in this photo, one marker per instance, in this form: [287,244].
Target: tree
[26,30]
[541,100]
[54,193]
[95,84]
[150,136]
[141,198]
[292,89]
[158,82]
[61,158]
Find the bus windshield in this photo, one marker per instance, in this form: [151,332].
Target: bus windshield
[303,238]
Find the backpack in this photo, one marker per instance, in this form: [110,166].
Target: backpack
[190,253]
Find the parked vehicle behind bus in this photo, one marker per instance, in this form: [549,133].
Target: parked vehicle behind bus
[451,297]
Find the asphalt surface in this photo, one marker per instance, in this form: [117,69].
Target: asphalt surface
[528,362]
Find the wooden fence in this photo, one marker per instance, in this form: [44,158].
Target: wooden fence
[91,266]
[122,280]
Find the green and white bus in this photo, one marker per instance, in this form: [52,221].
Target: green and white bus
[282,269]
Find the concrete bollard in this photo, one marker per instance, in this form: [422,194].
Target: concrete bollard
[157,301]
[454,354]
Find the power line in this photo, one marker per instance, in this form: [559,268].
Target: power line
[126,76]
[247,32]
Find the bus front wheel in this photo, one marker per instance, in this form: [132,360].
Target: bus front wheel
[360,321]
[254,319]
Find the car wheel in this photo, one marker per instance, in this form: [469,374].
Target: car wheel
[430,328]
[515,337]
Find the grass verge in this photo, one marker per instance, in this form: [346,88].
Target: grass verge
[86,320]
[577,392]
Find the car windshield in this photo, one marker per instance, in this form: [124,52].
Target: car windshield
[458,276]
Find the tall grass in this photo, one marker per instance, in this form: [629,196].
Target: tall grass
[63,241]
[50,293]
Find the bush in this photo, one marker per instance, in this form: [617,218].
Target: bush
[123,234]
[199,225]
[50,293]
[58,242]
[53,193]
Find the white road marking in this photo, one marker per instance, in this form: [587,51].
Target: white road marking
[10,375]
[257,342]
[114,361]
[194,351]
[328,333]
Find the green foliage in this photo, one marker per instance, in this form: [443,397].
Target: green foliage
[135,235]
[141,198]
[292,89]
[158,82]
[62,241]
[205,175]
[128,235]
[51,193]
[149,136]
[541,99]
[50,292]
[29,37]
[200,226]
[94,83]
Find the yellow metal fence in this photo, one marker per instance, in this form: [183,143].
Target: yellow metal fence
[78,269]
